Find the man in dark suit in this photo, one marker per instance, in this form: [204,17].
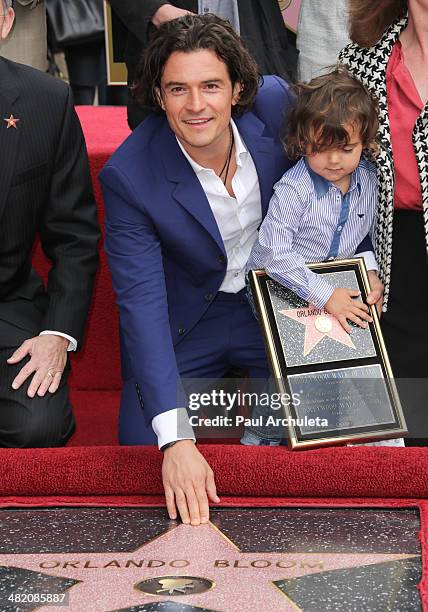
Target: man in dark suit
[184,197]
[45,190]
[259,22]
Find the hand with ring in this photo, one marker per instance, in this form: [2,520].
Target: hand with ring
[48,356]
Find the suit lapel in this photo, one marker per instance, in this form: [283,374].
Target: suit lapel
[9,137]
[188,191]
[263,152]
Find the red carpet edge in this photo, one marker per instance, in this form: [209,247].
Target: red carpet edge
[240,471]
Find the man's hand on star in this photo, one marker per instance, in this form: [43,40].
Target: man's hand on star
[376,291]
[168,12]
[188,481]
[48,358]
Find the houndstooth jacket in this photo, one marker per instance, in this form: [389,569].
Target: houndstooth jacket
[369,66]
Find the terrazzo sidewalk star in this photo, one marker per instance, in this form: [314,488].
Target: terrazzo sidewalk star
[175,563]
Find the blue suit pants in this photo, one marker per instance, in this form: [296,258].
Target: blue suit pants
[227,335]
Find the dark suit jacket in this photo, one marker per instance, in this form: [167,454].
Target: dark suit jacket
[262,29]
[165,250]
[46,190]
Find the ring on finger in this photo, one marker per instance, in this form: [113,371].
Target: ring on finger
[49,373]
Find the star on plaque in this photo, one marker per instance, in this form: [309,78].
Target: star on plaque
[318,324]
[11,122]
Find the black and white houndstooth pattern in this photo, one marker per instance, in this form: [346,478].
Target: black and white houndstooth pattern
[369,66]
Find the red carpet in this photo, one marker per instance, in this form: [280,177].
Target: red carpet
[240,471]
[96,414]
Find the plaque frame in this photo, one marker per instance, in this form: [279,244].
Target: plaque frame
[274,348]
[117,73]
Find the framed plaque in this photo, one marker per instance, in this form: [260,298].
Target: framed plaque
[339,386]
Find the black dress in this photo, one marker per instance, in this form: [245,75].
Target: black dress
[405,324]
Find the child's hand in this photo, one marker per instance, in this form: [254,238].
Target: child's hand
[343,307]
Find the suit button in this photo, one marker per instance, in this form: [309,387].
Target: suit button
[222,259]
[182,330]
[208,297]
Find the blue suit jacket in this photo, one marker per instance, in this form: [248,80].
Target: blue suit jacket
[164,248]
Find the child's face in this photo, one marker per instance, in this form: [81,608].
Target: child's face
[337,164]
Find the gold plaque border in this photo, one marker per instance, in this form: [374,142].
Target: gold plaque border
[117,73]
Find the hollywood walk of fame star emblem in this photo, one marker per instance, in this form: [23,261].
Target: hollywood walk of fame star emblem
[318,324]
[175,585]
[11,121]
[239,580]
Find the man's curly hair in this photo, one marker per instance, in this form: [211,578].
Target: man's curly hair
[193,33]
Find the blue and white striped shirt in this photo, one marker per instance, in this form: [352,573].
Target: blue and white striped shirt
[309,220]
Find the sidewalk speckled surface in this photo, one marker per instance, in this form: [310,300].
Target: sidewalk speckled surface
[132,559]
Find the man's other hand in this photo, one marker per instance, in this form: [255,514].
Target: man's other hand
[48,358]
[188,481]
[376,291]
[167,12]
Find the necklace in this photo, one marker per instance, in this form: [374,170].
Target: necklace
[228,158]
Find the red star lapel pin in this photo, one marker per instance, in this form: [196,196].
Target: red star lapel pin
[11,122]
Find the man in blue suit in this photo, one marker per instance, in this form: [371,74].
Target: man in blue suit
[185,195]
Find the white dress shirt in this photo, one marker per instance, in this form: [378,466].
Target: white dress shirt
[238,219]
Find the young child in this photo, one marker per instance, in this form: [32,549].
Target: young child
[324,207]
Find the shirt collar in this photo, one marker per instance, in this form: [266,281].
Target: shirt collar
[240,151]
[322,185]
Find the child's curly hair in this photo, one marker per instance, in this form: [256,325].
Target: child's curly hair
[323,108]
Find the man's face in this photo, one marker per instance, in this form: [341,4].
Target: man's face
[6,21]
[197,97]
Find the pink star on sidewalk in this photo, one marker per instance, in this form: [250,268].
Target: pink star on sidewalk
[241,580]
[318,323]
